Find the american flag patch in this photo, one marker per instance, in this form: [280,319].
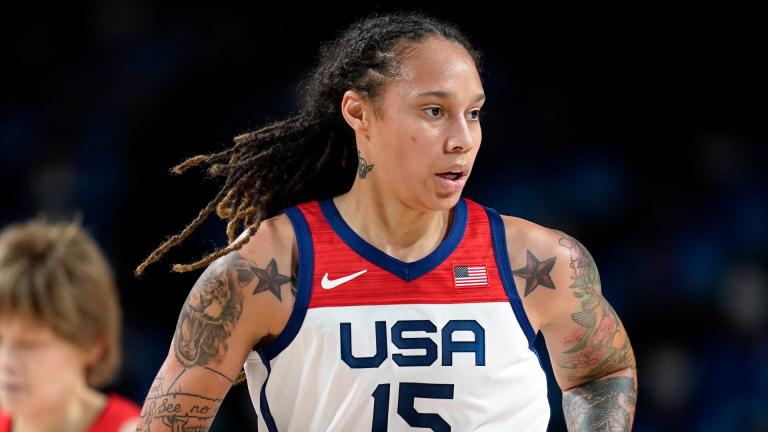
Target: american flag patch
[466,276]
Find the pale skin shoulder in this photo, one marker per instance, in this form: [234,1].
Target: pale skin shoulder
[592,358]
[242,300]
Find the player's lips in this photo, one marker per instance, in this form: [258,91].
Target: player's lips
[453,178]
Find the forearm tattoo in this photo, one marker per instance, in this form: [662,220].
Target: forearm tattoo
[599,345]
[176,409]
[603,405]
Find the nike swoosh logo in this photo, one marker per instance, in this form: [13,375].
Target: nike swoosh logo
[328,284]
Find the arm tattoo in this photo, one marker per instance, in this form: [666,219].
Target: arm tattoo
[206,321]
[603,405]
[536,273]
[214,305]
[598,345]
[269,278]
[176,409]
[209,315]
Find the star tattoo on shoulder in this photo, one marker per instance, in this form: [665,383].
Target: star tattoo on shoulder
[536,273]
[270,279]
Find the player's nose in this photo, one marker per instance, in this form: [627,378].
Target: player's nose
[460,138]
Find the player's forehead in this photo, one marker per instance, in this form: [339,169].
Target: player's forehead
[438,68]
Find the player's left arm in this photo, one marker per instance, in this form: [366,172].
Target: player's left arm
[590,352]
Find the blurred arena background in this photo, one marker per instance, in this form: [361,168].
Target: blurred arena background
[643,135]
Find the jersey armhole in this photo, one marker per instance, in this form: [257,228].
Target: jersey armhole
[499,238]
[305,270]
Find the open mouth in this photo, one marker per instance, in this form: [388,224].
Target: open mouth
[451,175]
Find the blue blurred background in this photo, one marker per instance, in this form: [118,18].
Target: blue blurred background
[644,137]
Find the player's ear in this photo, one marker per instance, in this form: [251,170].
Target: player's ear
[357,111]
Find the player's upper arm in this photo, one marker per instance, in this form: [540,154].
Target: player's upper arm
[585,338]
[584,335]
[234,305]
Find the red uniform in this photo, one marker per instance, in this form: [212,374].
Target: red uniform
[116,412]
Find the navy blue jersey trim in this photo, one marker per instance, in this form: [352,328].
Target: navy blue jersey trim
[401,269]
[266,414]
[304,288]
[499,237]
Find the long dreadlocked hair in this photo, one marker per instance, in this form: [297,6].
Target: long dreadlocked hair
[310,155]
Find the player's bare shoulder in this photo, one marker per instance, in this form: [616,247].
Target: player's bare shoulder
[267,263]
[537,256]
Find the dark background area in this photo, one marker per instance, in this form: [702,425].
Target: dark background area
[643,135]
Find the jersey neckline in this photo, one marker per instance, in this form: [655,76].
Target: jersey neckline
[403,270]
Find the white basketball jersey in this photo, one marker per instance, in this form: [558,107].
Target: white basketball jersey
[377,344]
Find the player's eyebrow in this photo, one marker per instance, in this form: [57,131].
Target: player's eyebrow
[448,95]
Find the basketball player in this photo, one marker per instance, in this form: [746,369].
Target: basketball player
[59,333]
[392,303]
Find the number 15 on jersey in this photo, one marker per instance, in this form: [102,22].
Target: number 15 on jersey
[407,393]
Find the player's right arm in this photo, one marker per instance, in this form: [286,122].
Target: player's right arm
[235,305]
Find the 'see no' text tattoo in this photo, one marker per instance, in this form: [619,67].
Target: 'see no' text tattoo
[176,409]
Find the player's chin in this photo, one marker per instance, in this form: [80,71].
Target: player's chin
[446,199]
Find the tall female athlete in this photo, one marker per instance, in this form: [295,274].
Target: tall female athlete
[389,302]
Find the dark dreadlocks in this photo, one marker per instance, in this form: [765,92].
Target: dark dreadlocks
[312,154]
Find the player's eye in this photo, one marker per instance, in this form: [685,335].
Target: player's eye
[432,109]
[434,113]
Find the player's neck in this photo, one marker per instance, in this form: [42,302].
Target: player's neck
[390,225]
[73,414]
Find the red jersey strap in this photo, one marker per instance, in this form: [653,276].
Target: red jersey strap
[115,414]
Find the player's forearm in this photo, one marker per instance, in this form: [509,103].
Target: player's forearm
[606,404]
[176,403]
